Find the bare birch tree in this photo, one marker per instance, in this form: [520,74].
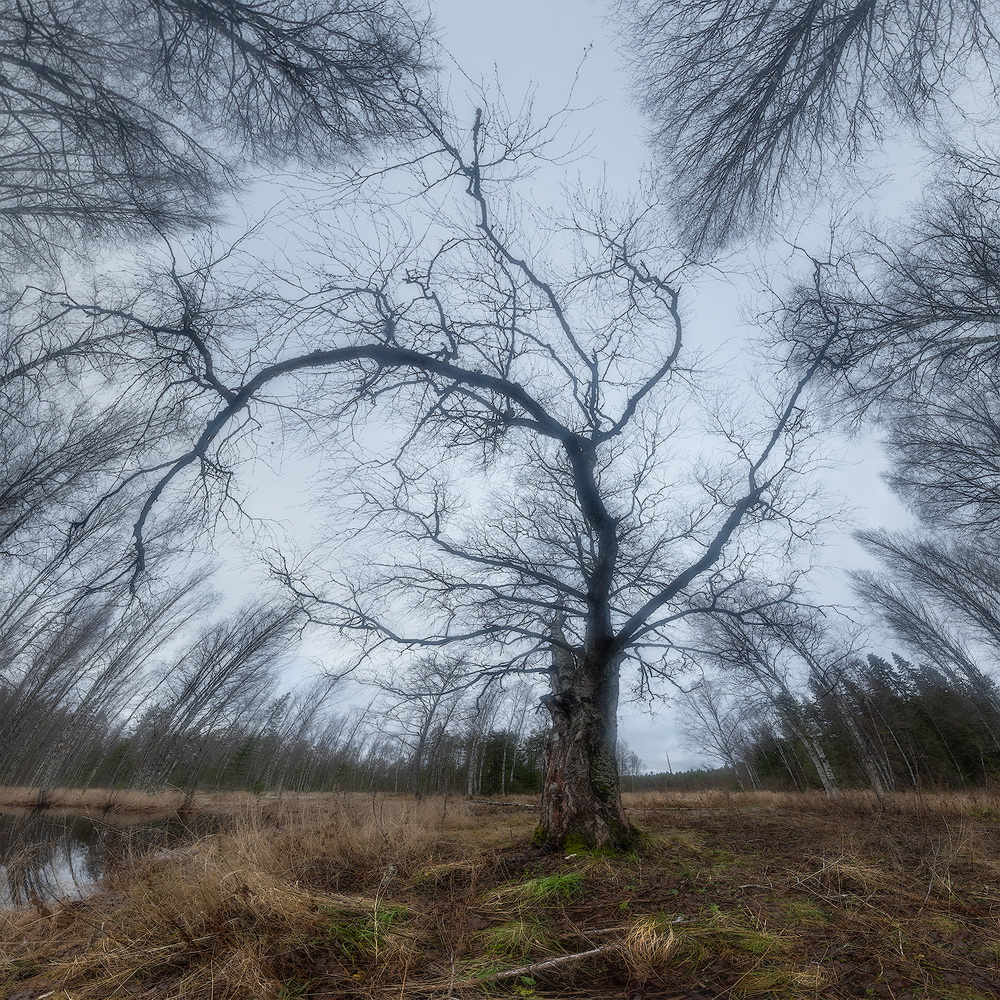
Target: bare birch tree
[131,118]
[719,720]
[746,101]
[774,652]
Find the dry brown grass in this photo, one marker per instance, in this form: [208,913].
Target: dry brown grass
[330,896]
[939,803]
[297,888]
[648,948]
[92,800]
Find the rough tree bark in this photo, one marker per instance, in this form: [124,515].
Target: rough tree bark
[581,795]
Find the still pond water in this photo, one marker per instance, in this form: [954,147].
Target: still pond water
[46,855]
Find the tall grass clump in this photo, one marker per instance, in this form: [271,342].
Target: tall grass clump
[291,892]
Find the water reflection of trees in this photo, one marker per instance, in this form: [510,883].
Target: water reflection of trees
[45,856]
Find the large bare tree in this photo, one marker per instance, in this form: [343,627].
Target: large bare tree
[505,397]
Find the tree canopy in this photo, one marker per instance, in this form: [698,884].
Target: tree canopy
[130,117]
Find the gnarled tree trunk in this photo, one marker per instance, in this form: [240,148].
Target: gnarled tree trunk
[581,796]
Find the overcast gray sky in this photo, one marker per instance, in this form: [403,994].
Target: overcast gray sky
[546,50]
[542,47]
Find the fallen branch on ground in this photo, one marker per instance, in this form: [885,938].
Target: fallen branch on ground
[506,805]
[551,963]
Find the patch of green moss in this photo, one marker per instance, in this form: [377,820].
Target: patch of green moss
[576,843]
[984,812]
[732,932]
[762,959]
[360,939]
[517,939]
[294,988]
[941,922]
[799,913]
[628,840]
[558,888]
[992,952]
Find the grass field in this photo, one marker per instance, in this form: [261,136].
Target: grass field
[733,895]
[93,800]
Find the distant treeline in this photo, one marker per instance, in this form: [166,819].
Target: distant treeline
[90,706]
[103,688]
[352,754]
[696,779]
[879,724]
[92,713]
[887,725]
[355,751]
